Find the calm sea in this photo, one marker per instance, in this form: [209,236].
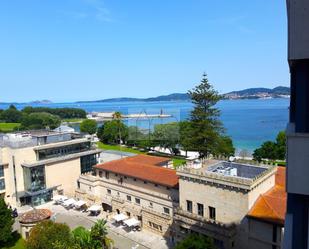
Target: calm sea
[248,122]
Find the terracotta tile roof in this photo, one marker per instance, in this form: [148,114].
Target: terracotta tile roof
[144,168]
[271,206]
[35,215]
[152,160]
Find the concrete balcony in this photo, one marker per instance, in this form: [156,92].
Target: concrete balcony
[297,161]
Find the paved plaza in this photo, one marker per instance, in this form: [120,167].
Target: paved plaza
[123,238]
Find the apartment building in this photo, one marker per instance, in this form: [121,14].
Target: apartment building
[35,164]
[297,222]
[140,186]
[215,198]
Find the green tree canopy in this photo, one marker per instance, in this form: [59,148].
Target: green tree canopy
[136,136]
[11,115]
[195,241]
[167,136]
[207,131]
[61,112]
[40,120]
[111,132]
[6,222]
[89,126]
[272,150]
[99,233]
[83,239]
[47,234]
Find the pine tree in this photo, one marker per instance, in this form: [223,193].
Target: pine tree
[6,222]
[207,130]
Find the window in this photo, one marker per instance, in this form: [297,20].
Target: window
[118,193]
[34,178]
[200,209]
[100,173]
[274,233]
[138,201]
[155,226]
[106,175]
[125,177]
[134,179]
[156,185]
[63,150]
[116,174]
[1,171]
[128,214]
[212,213]
[145,182]
[109,192]
[167,188]
[151,204]
[2,184]
[78,184]
[189,206]
[166,210]
[129,198]
[86,163]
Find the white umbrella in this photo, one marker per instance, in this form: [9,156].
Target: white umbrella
[132,222]
[94,208]
[79,204]
[120,217]
[69,202]
[59,198]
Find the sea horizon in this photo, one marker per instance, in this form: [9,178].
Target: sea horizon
[249,122]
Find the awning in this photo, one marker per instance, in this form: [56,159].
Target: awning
[79,204]
[68,202]
[132,222]
[60,198]
[120,217]
[94,208]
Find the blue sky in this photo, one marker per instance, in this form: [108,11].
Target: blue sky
[67,50]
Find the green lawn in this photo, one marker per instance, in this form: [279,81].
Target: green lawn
[118,148]
[73,120]
[176,161]
[7,127]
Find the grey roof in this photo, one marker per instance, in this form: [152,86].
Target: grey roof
[237,169]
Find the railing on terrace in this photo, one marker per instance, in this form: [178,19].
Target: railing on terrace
[202,219]
[17,144]
[187,168]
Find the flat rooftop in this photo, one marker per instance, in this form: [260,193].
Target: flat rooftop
[22,139]
[236,170]
[237,175]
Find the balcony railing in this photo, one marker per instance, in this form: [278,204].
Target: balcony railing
[200,220]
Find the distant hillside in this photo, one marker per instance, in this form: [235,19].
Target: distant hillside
[250,93]
[170,97]
[256,93]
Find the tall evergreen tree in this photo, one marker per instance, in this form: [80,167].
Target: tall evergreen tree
[6,222]
[207,129]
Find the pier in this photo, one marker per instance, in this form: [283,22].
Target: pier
[104,116]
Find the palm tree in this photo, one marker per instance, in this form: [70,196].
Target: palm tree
[82,238]
[99,233]
[118,116]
